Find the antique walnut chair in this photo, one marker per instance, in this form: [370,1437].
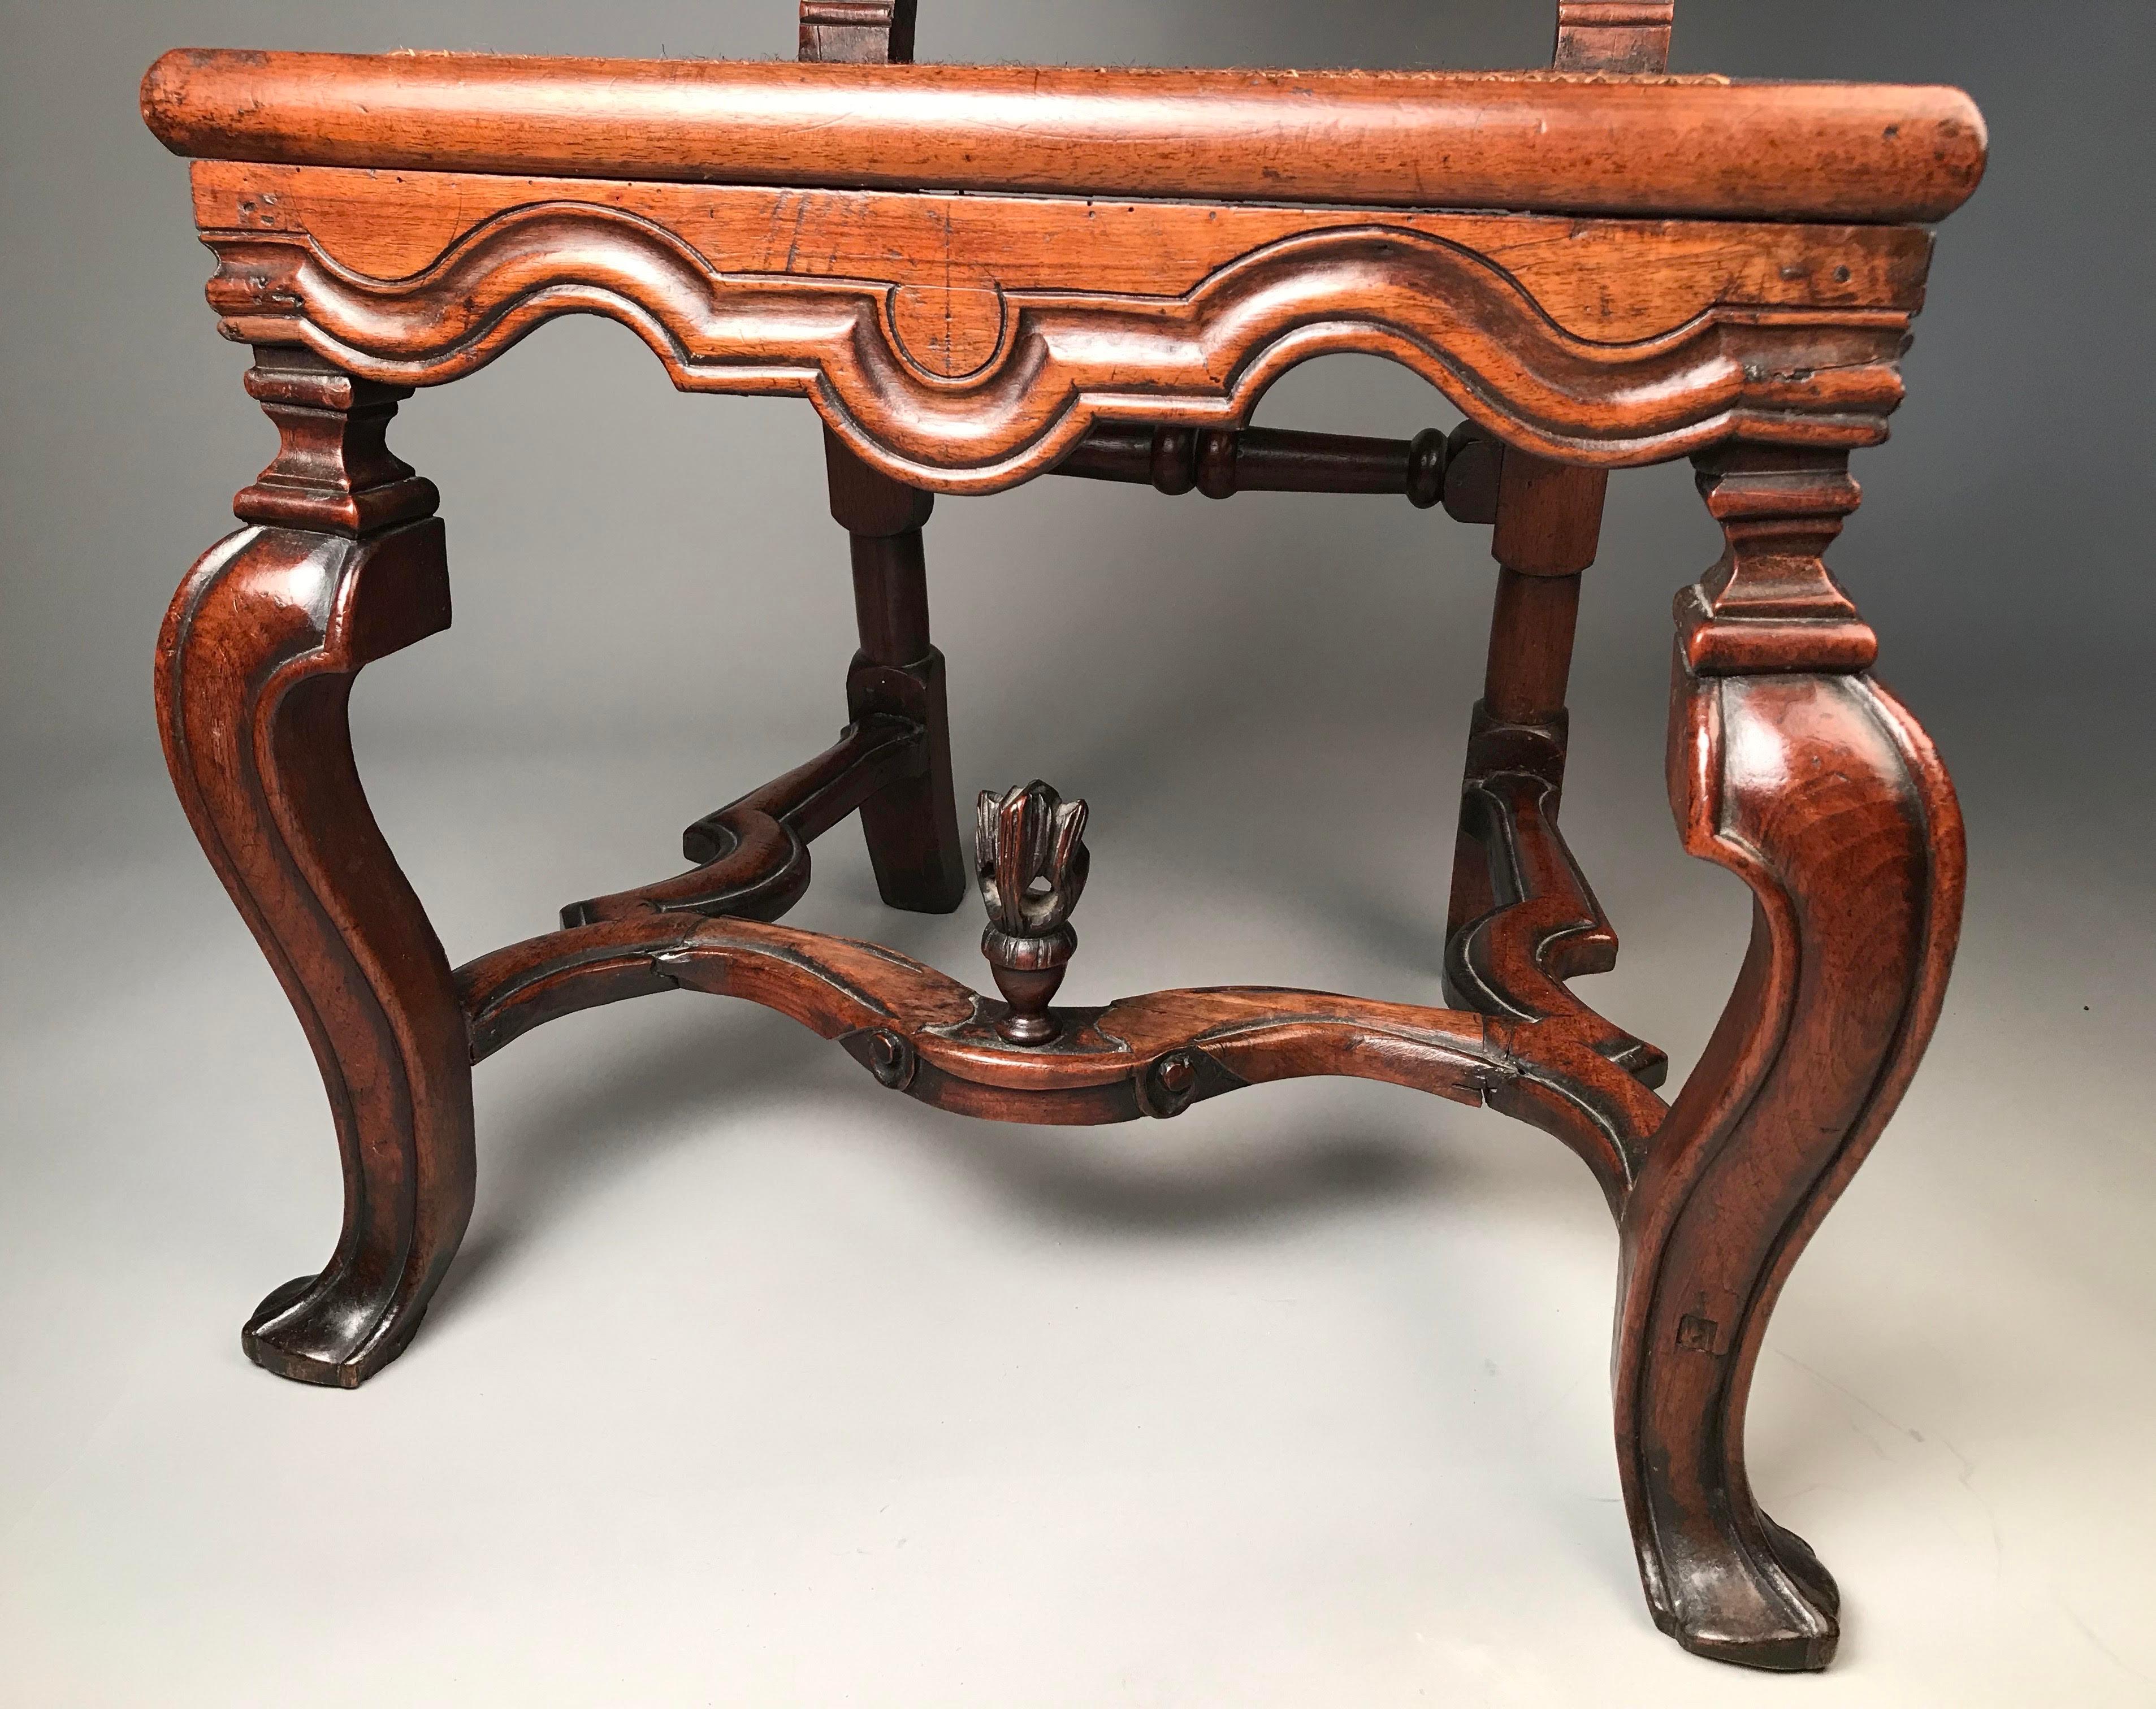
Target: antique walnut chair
[979,274]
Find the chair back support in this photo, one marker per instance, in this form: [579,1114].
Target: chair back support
[1592,35]
[1614,35]
[858,32]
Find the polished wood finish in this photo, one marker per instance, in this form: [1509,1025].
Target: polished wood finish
[341,564]
[1523,919]
[1617,281]
[940,1042]
[1687,148]
[752,855]
[1601,266]
[1603,342]
[1771,603]
[1031,861]
[911,825]
[1220,462]
[1822,794]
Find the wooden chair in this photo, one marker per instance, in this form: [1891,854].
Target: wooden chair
[1601,266]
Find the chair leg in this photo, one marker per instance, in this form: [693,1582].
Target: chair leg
[254,672]
[912,824]
[1800,774]
[1548,518]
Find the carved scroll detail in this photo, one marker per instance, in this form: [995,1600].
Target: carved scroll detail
[920,1032]
[851,992]
[1523,919]
[754,856]
[1590,1082]
[1070,360]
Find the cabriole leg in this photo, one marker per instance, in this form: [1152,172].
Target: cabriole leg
[342,565]
[1791,767]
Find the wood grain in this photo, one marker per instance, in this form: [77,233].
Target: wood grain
[1823,794]
[920,1032]
[1073,360]
[912,823]
[858,32]
[1771,603]
[1607,281]
[1522,918]
[256,666]
[979,274]
[752,855]
[1686,147]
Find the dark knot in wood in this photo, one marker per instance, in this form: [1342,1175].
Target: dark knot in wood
[1032,862]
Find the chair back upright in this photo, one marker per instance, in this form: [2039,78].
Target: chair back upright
[858,32]
[1592,35]
[1614,35]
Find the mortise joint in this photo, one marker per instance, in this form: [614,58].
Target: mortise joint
[1698,1335]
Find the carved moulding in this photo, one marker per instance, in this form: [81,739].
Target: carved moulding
[752,856]
[920,1032]
[1592,1084]
[983,387]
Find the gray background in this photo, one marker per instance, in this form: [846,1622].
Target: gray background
[752,1387]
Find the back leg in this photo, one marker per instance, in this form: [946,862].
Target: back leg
[912,824]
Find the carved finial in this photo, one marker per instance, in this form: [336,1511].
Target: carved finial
[1032,865]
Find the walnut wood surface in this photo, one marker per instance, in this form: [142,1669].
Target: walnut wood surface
[254,668]
[1030,861]
[752,856]
[946,258]
[910,823]
[1221,462]
[1771,603]
[1686,147]
[1624,36]
[1136,257]
[858,32]
[1542,925]
[1523,919]
[948,384]
[928,1035]
[1153,1055]
[1825,796]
